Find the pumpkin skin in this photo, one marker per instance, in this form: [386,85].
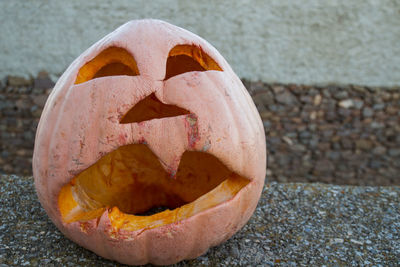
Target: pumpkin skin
[208,112]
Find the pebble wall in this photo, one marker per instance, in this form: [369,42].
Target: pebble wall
[331,134]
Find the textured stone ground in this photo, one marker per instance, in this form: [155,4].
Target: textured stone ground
[294,224]
[331,134]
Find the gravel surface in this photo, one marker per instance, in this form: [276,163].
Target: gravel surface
[294,224]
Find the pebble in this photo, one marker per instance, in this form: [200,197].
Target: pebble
[375,164]
[348,103]
[18,81]
[358,104]
[377,125]
[356,242]
[378,106]
[39,100]
[43,81]
[363,144]
[317,100]
[337,240]
[341,94]
[367,112]
[324,166]
[394,152]
[288,140]
[278,89]
[286,98]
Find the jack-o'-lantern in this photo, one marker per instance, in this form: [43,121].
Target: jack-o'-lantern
[149,148]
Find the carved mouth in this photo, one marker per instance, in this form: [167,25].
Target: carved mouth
[130,181]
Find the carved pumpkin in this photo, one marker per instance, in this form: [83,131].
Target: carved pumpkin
[150,116]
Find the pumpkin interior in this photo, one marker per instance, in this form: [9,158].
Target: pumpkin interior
[111,61]
[151,108]
[185,58]
[118,61]
[131,181]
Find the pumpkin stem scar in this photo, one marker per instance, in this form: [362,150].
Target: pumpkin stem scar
[131,181]
[192,130]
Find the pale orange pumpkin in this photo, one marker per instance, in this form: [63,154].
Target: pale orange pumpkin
[151,115]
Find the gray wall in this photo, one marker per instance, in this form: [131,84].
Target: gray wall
[285,41]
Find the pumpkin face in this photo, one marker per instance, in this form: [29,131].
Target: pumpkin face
[149,117]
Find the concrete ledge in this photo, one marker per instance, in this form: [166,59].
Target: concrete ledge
[307,224]
[285,41]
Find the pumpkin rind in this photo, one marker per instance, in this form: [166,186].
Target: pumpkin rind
[81,122]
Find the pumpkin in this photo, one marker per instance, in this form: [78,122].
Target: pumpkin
[149,148]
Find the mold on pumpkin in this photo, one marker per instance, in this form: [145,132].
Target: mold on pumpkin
[149,149]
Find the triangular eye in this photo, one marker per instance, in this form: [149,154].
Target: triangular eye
[186,58]
[110,62]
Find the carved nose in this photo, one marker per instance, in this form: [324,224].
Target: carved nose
[151,108]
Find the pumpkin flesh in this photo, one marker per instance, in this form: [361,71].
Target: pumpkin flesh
[130,181]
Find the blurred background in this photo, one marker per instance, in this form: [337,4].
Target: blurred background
[325,77]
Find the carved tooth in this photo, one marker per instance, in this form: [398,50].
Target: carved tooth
[105,169]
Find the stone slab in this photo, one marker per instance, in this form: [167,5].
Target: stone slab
[294,224]
[284,41]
